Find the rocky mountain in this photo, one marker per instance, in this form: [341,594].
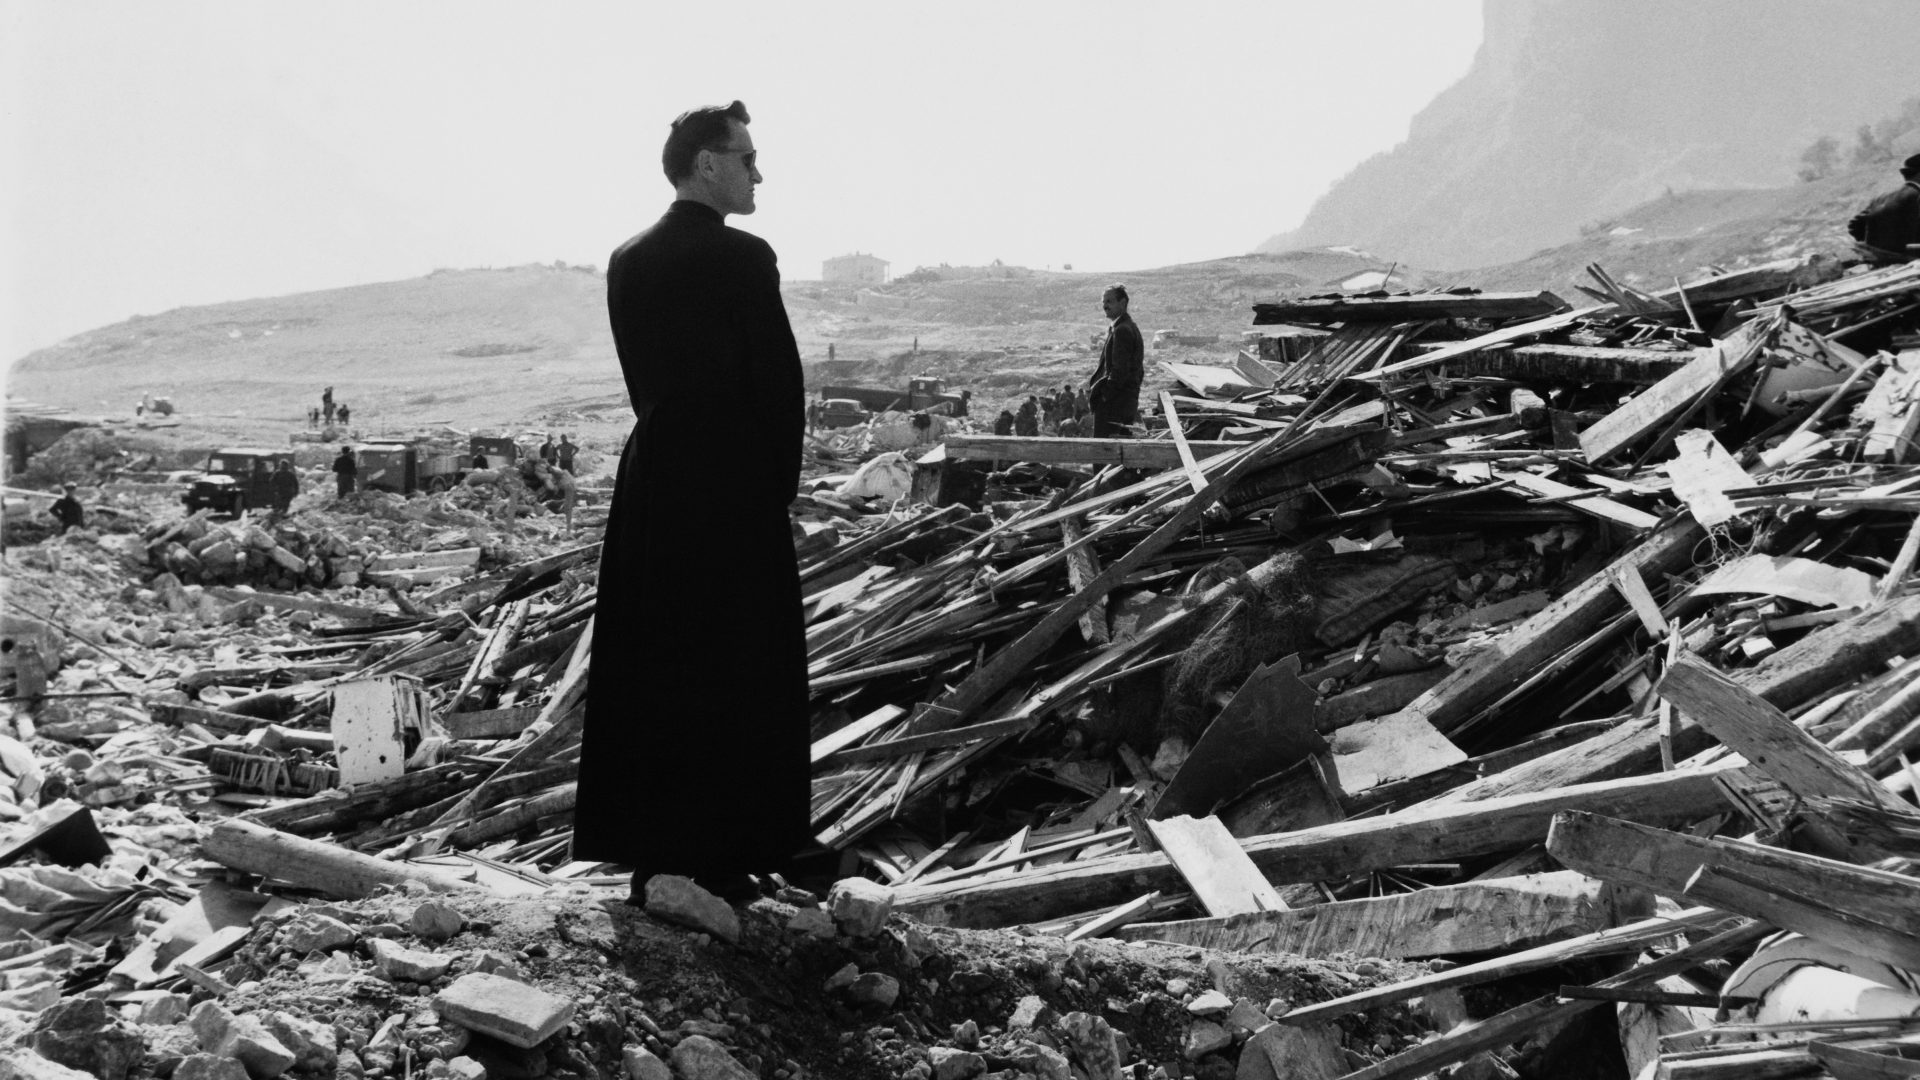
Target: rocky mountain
[1576,110]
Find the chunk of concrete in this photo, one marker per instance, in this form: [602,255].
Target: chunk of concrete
[875,988]
[509,1010]
[678,900]
[315,1046]
[641,1063]
[954,1064]
[465,1068]
[396,962]
[23,1064]
[209,1067]
[860,906]
[436,921]
[813,922]
[1209,1003]
[1205,1037]
[83,1034]
[243,1038]
[1285,1052]
[697,1057]
[314,932]
[1091,1044]
[1031,1012]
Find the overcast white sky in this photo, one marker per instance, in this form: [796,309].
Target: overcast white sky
[154,155]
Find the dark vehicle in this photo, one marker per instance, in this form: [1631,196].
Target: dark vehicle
[391,467]
[236,478]
[924,393]
[839,413]
[499,450]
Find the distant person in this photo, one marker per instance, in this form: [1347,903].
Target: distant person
[326,413]
[699,596]
[313,416]
[1027,421]
[345,472]
[283,487]
[549,453]
[1888,230]
[480,462]
[1114,390]
[829,350]
[343,414]
[1003,424]
[566,452]
[916,344]
[67,510]
[1081,407]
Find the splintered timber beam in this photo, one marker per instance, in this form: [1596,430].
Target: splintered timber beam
[1473,917]
[1326,851]
[1520,652]
[1413,307]
[1866,911]
[1133,453]
[313,864]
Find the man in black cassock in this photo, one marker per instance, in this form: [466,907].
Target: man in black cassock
[694,757]
[1114,390]
[1888,230]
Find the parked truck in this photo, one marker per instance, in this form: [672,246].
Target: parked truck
[923,393]
[236,478]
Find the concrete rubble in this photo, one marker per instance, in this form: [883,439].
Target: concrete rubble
[1487,687]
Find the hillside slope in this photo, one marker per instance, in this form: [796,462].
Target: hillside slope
[1575,110]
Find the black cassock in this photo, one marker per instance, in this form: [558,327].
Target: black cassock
[694,759]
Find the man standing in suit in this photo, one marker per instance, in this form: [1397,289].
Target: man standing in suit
[695,749]
[1114,390]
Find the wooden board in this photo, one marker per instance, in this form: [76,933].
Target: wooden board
[1223,879]
[1598,505]
[1418,834]
[1571,363]
[1480,916]
[1399,746]
[1664,400]
[1053,450]
[1412,307]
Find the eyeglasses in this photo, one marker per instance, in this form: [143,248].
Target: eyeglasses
[747,156]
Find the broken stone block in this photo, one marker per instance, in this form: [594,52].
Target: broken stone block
[697,1057]
[244,1038]
[813,922]
[397,962]
[1203,1038]
[1281,1052]
[1212,1001]
[1091,1044]
[860,906]
[313,932]
[641,1063]
[678,900]
[81,1033]
[315,1046]
[952,1064]
[1039,1059]
[841,979]
[509,1010]
[162,1010]
[497,963]
[875,988]
[1245,1018]
[436,921]
[966,1035]
[1032,1012]
[465,1068]
[24,1064]
[209,1067]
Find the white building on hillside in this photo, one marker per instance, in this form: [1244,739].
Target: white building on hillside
[857,268]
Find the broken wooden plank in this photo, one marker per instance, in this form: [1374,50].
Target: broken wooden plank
[1083,565]
[1596,504]
[1410,307]
[1221,876]
[1326,851]
[1478,916]
[1113,920]
[1631,938]
[1057,450]
[1767,737]
[313,864]
[1871,912]
[1553,362]
[489,723]
[1506,334]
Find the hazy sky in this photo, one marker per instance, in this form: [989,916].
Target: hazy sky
[154,155]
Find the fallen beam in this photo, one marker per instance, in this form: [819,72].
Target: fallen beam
[1476,916]
[1413,307]
[1328,851]
[314,864]
[1050,450]
[1553,363]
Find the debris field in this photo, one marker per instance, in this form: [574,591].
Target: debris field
[1463,684]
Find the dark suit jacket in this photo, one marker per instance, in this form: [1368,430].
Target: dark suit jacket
[696,739]
[1123,359]
[1890,222]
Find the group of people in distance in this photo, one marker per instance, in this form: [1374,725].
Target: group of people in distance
[329,411]
[697,687]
